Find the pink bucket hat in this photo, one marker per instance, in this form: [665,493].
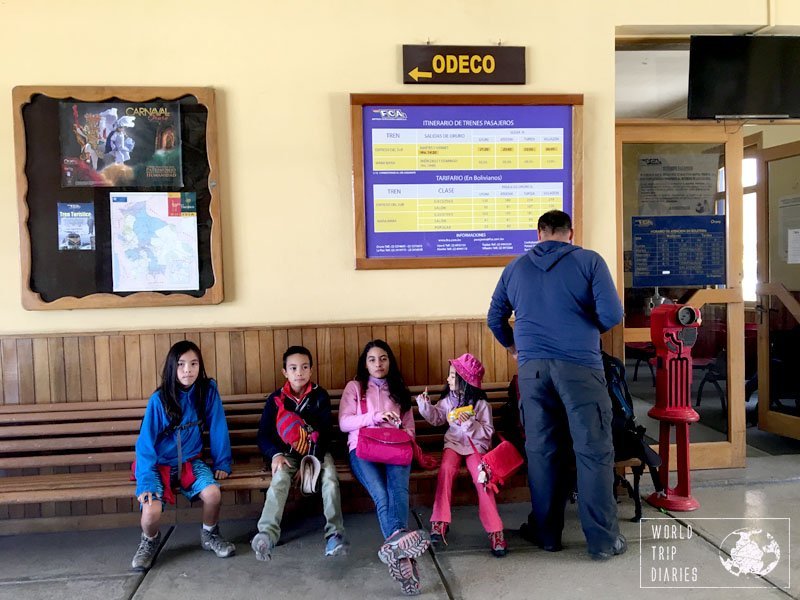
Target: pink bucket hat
[470,369]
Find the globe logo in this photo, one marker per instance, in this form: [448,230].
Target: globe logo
[749,551]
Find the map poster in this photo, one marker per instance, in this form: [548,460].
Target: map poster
[463,181]
[115,144]
[76,226]
[154,241]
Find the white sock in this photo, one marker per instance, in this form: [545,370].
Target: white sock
[150,539]
[208,527]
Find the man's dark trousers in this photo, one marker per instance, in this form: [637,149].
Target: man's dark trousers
[560,399]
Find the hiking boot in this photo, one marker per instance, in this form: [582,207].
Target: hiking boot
[528,533]
[497,541]
[335,545]
[404,544]
[262,545]
[146,552]
[212,540]
[439,530]
[405,571]
[619,547]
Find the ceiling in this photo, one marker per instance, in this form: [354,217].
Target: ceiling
[652,83]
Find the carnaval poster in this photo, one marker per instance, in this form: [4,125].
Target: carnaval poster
[114,144]
[76,226]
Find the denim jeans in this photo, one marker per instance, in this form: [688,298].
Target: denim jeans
[387,485]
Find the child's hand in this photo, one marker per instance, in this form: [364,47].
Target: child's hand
[146,498]
[423,397]
[391,417]
[220,474]
[279,462]
[464,417]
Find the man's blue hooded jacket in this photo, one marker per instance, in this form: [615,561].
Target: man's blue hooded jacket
[562,297]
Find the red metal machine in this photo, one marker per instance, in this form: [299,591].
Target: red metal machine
[673,330]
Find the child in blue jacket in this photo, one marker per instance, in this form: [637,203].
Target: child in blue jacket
[169,448]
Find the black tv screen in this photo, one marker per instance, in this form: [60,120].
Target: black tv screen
[744,76]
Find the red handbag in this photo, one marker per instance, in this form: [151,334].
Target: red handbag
[498,464]
[426,462]
[388,445]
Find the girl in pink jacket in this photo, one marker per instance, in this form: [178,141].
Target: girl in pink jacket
[378,397]
[463,405]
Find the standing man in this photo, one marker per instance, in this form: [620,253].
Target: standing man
[563,298]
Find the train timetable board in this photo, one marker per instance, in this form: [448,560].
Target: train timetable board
[679,251]
[441,184]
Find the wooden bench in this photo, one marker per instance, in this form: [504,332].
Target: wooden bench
[82,451]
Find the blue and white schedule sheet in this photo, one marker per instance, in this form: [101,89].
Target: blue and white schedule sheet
[457,181]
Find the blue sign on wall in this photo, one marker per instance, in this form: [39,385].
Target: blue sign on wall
[679,251]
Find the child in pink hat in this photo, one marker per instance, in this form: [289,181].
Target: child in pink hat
[464,406]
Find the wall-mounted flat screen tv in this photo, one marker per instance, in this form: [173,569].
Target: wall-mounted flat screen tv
[744,76]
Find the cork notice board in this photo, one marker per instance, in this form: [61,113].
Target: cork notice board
[118,198]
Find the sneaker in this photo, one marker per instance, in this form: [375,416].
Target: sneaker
[146,552]
[405,571]
[335,545]
[439,531]
[619,547]
[262,545]
[497,541]
[212,540]
[404,544]
[528,533]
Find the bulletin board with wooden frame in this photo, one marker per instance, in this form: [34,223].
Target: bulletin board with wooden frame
[57,279]
[470,197]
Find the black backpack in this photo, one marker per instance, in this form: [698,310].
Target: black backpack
[628,435]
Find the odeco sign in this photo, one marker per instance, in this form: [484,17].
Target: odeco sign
[464,64]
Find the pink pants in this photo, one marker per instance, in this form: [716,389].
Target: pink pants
[487,507]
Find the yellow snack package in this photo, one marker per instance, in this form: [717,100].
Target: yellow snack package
[461,410]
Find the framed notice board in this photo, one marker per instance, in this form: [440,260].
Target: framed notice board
[461,180]
[677,251]
[117,195]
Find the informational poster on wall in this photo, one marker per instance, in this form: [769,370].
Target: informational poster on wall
[76,229]
[678,251]
[462,181]
[154,241]
[677,184]
[789,219]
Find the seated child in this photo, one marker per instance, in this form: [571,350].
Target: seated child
[464,407]
[296,422]
[169,446]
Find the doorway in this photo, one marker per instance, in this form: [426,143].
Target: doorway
[687,173]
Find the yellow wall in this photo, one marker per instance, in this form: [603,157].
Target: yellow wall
[283,72]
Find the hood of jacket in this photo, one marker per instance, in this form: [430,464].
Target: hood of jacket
[545,255]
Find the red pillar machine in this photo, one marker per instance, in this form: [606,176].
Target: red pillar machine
[673,330]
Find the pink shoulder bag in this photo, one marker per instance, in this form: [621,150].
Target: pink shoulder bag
[388,445]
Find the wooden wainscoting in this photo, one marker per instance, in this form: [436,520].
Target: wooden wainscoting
[127,365]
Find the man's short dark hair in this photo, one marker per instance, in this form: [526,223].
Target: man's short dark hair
[554,221]
[298,350]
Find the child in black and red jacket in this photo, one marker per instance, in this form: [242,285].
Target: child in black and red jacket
[296,428]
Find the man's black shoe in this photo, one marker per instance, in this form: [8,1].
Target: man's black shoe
[619,547]
[528,533]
